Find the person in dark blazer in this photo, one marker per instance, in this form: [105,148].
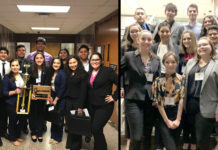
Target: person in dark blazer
[201,98]
[101,100]
[63,54]
[11,87]
[76,95]
[57,80]
[142,67]
[38,76]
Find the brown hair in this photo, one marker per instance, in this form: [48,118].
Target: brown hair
[203,29]
[170,54]
[193,46]
[213,49]
[193,6]
[171,6]
[128,40]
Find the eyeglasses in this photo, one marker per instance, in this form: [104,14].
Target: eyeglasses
[95,60]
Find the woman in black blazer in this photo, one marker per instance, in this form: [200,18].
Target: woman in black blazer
[38,76]
[76,95]
[142,67]
[57,80]
[11,87]
[101,100]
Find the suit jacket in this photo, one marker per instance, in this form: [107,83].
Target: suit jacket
[60,84]
[77,90]
[102,86]
[7,87]
[209,88]
[139,87]
[176,32]
[155,48]
[44,78]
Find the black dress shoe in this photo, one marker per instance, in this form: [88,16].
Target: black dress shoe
[40,140]
[1,142]
[34,140]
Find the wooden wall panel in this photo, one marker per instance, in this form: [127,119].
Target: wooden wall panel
[107,37]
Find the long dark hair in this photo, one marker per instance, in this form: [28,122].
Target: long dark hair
[11,74]
[51,69]
[34,72]
[79,72]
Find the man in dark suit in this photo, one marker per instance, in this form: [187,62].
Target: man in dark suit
[83,54]
[140,17]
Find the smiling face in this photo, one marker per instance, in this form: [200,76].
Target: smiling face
[95,62]
[134,32]
[21,52]
[56,64]
[73,64]
[170,64]
[3,55]
[145,40]
[213,35]
[164,33]
[186,40]
[170,15]
[204,48]
[40,46]
[192,13]
[63,54]
[15,67]
[83,54]
[207,22]
[39,59]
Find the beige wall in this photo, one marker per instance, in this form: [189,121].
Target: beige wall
[156,7]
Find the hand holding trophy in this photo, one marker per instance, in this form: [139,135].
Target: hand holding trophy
[20,109]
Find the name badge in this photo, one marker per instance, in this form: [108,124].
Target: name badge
[149,77]
[73,112]
[169,101]
[50,108]
[20,71]
[183,69]
[38,80]
[199,76]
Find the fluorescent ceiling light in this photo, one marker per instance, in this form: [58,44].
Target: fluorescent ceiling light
[43,8]
[44,28]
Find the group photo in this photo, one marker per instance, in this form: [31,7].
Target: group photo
[169,75]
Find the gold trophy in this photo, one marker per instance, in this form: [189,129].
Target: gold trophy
[21,109]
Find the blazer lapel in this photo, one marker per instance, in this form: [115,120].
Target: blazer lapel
[207,72]
[173,27]
[139,64]
[154,65]
[188,68]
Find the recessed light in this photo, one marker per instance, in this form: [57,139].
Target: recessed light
[45,28]
[43,8]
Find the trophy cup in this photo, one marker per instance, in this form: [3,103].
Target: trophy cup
[21,109]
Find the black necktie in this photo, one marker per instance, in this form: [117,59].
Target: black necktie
[3,68]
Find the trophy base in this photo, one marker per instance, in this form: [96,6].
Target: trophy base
[23,113]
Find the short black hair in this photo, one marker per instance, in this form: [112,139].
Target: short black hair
[213,27]
[41,39]
[4,49]
[19,46]
[64,49]
[84,46]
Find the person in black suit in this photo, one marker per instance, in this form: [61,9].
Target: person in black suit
[101,100]
[76,95]
[38,76]
[11,87]
[57,79]
[142,67]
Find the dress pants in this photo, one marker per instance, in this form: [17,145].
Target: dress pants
[170,137]
[204,128]
[37,113]
[140,116]
[14,129]
[100,116]
[74,141]
[3,117]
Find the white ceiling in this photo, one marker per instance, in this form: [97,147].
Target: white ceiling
[82,14]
